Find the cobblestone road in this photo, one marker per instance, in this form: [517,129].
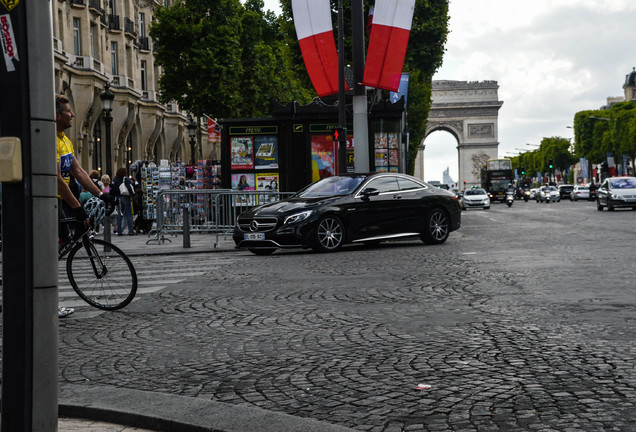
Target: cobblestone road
[523,320]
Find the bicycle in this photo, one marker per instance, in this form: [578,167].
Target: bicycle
[104,279]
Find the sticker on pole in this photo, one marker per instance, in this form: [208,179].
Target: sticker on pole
[422,387]
[9,49]
[9,4]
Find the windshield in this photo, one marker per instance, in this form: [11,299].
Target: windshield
[623,183]
[475,192]
[499,185]
[331,186]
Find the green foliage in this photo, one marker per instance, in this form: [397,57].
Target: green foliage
[224,59]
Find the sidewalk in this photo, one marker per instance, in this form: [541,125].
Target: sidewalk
[143,244]
[88,408]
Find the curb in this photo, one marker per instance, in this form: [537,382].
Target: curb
[170,413]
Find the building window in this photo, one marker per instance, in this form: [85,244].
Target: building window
[142,25]
[111,6]
[113,58]
[94,50]
[144,86]
[129,62]
[77,46]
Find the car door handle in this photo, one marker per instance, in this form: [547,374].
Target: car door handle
[397,196]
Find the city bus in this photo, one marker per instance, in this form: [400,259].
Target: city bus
[496,178]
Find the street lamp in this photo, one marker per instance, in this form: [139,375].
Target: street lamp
[107,104]
[192,133]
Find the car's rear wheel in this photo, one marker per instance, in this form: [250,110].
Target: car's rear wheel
[437,227]
[262,251]
[329,235]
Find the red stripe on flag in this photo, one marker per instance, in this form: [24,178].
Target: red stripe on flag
[321,60]
[387,50]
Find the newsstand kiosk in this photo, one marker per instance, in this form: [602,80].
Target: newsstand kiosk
[295,146]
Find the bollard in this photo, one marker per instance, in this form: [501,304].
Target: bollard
[186,227]
[107,232]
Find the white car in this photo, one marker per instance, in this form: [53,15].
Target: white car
[548,193]
[617,192]
[475,198]
[580,192]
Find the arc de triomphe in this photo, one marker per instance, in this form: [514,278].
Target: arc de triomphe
[468,111]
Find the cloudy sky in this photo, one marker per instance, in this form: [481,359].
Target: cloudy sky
[551,58]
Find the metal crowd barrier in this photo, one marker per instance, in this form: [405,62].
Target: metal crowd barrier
[208,210]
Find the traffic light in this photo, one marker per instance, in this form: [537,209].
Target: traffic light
[550,165]
[336,133]
[523,171]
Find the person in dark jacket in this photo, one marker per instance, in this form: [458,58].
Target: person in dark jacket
[122,187]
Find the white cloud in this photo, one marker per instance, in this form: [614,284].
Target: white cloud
[551,58]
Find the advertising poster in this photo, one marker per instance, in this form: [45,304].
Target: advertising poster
[244,182]
[392,140]
[242,153]
[323,157]
[381,158]
[381,140]
[394,159]
[265,183]
[266,155]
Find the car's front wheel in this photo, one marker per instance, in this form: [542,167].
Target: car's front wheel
[610,207]
[437,227]
[599,206]
[329,235]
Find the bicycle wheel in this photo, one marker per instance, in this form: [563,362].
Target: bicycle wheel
[105,280]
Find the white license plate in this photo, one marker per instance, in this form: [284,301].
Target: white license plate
[254,236]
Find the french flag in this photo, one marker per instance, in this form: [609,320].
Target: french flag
[389,38]
[312,19]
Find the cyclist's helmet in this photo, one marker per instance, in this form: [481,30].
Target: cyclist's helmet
[96,210]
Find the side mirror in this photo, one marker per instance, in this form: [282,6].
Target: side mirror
[369,192]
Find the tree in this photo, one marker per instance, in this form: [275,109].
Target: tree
[197,43]
[222,58]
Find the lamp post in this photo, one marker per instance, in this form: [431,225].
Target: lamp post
[192,133]
[107,104]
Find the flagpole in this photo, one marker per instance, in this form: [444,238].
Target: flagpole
[360,118]
[342,114]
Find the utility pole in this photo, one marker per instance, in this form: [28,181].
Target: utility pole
[360,117]
[29,237]
[342,113]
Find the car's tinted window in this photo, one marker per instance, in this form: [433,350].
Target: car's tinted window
[331,186]
[408,184]
[384,184]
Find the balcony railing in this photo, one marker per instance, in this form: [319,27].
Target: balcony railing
[103,19]
[95,6]
[144,44]
[113,22]
[129,27]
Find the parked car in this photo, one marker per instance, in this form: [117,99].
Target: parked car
[565,190]
[475,198]
[617,192]
[548,191]
[366,208]
[580,192]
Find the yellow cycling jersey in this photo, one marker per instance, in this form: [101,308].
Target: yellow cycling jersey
[64,156]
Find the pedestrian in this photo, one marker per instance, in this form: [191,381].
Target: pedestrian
[106,182]
[124,191]
[68,166]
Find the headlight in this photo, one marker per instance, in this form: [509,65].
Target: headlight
[614,196]
[297,217]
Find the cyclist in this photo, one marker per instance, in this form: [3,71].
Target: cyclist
[67,166]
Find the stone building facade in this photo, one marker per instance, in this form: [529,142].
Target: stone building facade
[106,41]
